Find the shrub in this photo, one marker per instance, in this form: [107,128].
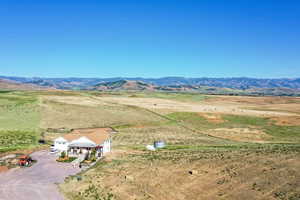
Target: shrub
[63,155]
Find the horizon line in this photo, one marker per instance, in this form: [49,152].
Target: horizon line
[140,77]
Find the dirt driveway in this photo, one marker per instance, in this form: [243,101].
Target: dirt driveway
[36,182]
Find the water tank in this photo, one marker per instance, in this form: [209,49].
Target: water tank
[159,144]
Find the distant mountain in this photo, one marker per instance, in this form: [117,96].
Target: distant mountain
[13,85]
[124,85]
[249,85]
[234,83]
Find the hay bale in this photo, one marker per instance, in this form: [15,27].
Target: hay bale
[193,172]
[129,178]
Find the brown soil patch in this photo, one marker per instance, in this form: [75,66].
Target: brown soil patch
[3,169]
[286,120]
[213,118]
[240,134]
[282,104]
[254,100]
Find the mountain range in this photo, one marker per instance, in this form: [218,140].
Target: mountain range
[283,86]
[13,85]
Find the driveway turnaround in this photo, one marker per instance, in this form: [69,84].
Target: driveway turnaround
[38,182]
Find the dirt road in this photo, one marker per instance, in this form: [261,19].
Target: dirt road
[37,182]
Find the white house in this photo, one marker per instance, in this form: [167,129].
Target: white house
[85,140]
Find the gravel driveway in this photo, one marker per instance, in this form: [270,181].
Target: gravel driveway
[36,182]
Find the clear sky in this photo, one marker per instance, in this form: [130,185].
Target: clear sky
[191,38]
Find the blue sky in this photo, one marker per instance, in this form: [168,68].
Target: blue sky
[191,38]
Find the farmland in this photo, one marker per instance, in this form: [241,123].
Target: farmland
[19,121]
[194,173]
[232,147]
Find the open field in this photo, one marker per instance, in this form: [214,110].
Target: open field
[228,141]
[172,133]
[83,112]
[281,104]
[18,111]
[19,121]
[256,129]
[192,106]
[245,173]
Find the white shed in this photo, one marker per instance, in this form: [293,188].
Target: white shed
[61,144]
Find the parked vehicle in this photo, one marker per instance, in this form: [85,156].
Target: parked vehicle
[25,160]
[53,150]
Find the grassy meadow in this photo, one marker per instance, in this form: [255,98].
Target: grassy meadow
[229,155]
[32,113]
[19,120]
[185,97]
[278,133]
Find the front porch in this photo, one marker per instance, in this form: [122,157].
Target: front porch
[74,151]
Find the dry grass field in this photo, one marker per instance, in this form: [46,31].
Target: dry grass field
[211,105]
[281,104]
[219,147]
[256,173]
[172,133]
[83,112]
[213,150]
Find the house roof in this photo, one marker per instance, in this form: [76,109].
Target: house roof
[96,135]
[60,139]
[82,142]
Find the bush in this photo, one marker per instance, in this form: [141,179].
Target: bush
[12,140]
[66,159]
[63,155]
[92,156]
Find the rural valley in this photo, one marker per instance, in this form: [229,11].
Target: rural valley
[217,147]
[150,100]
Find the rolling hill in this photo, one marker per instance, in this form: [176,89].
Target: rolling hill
[125,85]
[234,86]
[13,85]
[234,83]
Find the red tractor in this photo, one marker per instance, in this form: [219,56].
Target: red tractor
[25,160]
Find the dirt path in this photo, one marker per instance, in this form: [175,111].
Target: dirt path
[36,182]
